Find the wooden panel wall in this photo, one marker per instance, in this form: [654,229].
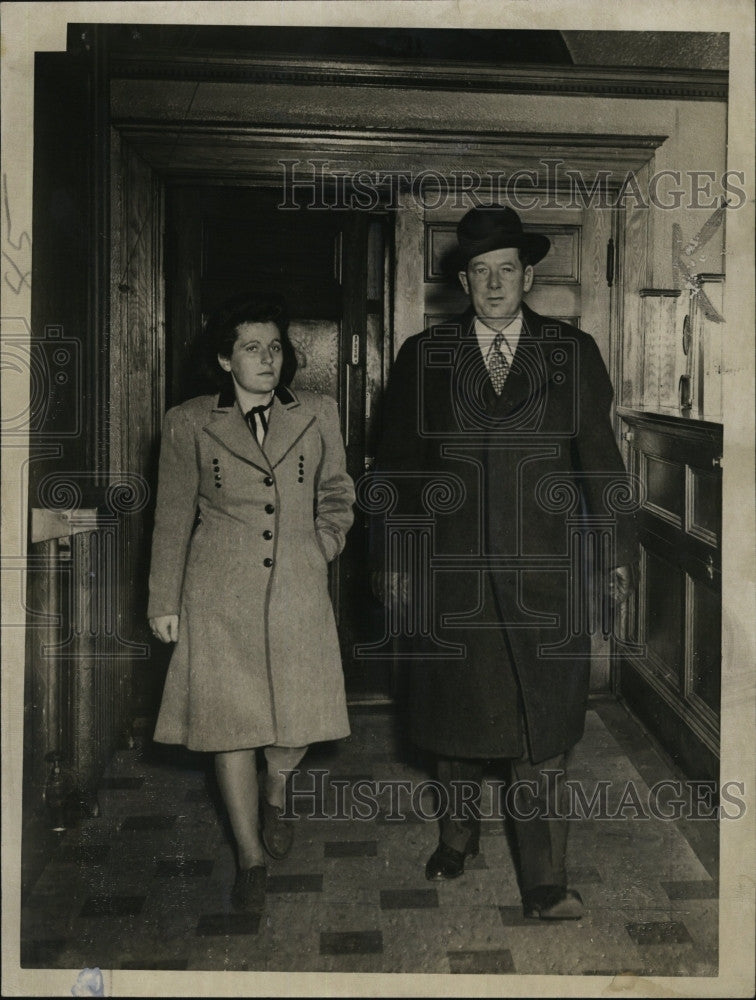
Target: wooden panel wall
[595,291]
[66,414]
[635,271]
[137,388]
[674,683]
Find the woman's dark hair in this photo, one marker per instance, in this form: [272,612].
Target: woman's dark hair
[222,326]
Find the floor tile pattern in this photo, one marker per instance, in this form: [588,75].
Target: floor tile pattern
[146,884]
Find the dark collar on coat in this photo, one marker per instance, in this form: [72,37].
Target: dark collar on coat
[227,396]
[288,422]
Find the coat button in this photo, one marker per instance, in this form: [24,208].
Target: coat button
[269,508]
[267,534]
[268,481]
[267,562]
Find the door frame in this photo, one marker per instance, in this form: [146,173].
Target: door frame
[163,156]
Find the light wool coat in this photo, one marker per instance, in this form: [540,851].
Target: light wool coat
[257,660]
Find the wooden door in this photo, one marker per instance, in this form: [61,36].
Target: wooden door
[570,282]
[331,269]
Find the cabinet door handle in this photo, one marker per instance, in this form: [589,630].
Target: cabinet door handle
[710,567]
[717,462]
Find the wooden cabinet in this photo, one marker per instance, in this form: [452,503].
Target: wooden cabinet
[673,681]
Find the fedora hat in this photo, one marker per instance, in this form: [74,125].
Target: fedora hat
[494,228]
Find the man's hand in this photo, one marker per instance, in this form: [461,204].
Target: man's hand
[390,588]
[620,583]
[165,627]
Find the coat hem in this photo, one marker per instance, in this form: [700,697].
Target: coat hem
[254,744]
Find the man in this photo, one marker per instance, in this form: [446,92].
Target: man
[497,431]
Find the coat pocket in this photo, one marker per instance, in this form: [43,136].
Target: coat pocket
[314,553]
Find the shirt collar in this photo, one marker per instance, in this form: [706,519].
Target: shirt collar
[486,335]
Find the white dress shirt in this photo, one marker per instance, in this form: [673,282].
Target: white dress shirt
[486,336]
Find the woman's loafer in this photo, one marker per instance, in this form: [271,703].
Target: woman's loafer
[248,893]
[277,833]
[552,902]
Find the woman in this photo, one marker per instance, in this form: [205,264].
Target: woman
[250,510]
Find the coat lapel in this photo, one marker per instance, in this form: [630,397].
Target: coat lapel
[529,373]
[228,426]
[471,390]
[527,379]
[288,422]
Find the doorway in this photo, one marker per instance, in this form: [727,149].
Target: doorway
[333,269]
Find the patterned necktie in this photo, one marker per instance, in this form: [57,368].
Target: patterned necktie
[498,366]
[258,422]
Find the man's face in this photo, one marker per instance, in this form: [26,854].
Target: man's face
[496,282]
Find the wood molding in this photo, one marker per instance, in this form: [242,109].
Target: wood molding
[680,426]
[572,81]
[555,142]
[250,152]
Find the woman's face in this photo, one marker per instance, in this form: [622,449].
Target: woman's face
[256,358]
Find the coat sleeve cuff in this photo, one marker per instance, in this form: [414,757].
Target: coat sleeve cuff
[330,543]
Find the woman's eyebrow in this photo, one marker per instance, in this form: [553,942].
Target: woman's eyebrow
[256,340]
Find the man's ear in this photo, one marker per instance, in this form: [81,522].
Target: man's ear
[225,363]
[527,282]
[462,275]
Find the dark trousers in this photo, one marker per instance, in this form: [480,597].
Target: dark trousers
[541,837]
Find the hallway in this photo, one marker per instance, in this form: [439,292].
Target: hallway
[146,885]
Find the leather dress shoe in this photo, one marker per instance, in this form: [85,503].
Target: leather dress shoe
[277,833]
[248,893]
[447,862]
[552,902]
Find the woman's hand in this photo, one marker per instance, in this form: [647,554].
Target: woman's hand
[165,627]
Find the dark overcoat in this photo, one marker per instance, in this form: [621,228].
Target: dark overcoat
[521,482]
[257,660]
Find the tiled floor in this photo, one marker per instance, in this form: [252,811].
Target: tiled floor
[146,885]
